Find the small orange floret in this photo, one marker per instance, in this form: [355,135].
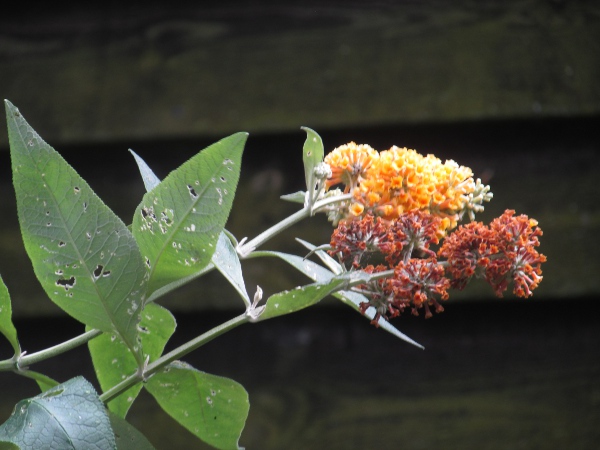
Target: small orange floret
[349,164]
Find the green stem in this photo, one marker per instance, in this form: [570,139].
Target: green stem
[173,355]
[245,249]
[26,360]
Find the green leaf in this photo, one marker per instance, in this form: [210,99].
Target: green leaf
[84,256]
[227,261]
[68,416]
[148,176]
[296,197]
[312,155]
[44,382]
[350,298]
[178,223]
[225,258]
[212,408]
[301,297]
[112,360]
[127,436]
[7,327]
[331,263]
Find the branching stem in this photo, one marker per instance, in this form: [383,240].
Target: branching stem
[173,355]
[27,360]
[245,249]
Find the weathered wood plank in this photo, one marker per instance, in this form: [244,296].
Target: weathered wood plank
[93,73]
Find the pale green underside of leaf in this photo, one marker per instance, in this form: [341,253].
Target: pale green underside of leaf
[227,261]
[84,256]
[7,327]
[112,359]
[68,416]
[212,408]
[178,223]
[322,275]
[148,176]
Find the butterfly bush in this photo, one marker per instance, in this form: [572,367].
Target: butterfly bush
[402,219]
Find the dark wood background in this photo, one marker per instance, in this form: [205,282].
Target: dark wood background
[508,88]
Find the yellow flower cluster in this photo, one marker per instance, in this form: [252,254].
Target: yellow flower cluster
[398,180]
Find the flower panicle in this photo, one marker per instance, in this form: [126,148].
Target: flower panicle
[403,207]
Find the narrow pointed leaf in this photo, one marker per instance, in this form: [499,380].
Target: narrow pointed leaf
[212,408]
[84,256]
[304,296]
[44,382]
[178,223]
[227,261]
[312,155]
[112,360]
[69,416]
[350,298]
[331,263]
[148,176]
[127,437]
[7,327]
[296,197]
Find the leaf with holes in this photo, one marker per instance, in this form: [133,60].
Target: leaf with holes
[113,361]
[178,223]
[225,258]
[7,327]
[212,408]
[84,256]
[69,416]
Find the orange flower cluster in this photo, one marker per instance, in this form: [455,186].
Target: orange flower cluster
[398,180]
[349,164]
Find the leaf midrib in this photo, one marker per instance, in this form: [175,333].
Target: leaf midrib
[82,260]
[169,235]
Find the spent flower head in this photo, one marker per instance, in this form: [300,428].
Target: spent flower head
[501,252]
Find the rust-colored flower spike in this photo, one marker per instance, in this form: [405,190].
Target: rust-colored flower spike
[380,295]
[411,234]
[349,164]
[422,282]
[518,236]
[467,251]
[351,241]
[502,252]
